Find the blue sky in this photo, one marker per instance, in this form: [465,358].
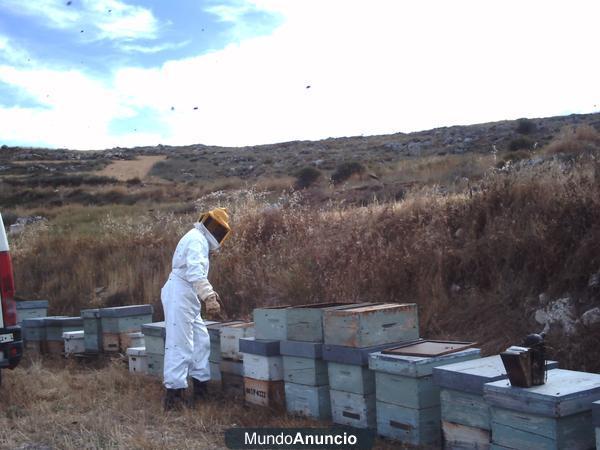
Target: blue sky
[93,74]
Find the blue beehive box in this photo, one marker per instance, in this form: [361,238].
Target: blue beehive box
[31,309]
[351,409]
[465,414]
[154,337]
[555,415]
[407,400]
[308,401]
[271,322]
[303,364]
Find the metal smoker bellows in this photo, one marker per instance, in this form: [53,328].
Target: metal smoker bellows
[526,365]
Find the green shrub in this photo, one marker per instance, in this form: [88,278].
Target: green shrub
[525,126]
[346,170]
[520,143]
[306,177]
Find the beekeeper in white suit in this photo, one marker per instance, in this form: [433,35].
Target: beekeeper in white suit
[187,344]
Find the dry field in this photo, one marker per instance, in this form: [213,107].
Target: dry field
[69,405]
[124,170]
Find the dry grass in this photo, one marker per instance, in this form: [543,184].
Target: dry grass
[69,405]
[575,140]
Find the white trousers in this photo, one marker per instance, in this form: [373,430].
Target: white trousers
[187,344]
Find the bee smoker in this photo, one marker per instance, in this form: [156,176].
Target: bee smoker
[526,365]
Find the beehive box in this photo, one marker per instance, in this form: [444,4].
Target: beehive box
[308,401]
[138,361]
[136,339]
[34,329]
[230,339]
[366,326]
[262,360]
[305,322]
[264,368]
[465,415]
[92,328]
[596,420]
[263,347]
[305,371]
[405,391]
[351,378]
[270,394]
[354,410]
[214,333]
[118,322]
[408,425]
[232,384]
[154,337]
[555,415]
[348,368]
[155,364]
[232,367]
[271,322]
[312,350]
[31,309]
[73,341]
[55,327]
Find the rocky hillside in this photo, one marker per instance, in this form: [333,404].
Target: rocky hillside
[201,163]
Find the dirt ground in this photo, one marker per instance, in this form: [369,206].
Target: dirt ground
[128,169]
[68,404]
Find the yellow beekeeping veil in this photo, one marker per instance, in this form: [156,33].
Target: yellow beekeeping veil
[216,222]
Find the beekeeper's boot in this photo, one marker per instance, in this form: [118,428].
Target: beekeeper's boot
[173,399]
[200,391]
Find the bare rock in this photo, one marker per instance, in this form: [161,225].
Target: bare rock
[560,312]
[591,317]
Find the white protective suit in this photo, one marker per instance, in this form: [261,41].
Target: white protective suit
[187,344]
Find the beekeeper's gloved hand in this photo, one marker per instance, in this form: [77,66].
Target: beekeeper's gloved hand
[206,293]
[213,304]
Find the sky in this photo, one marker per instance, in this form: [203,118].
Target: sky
[96,74]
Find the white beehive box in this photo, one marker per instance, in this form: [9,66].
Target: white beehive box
[74,342]
[230,339]
[136,339]
[264,368]
[138,361]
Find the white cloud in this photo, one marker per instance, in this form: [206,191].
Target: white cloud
[148,49]
[102,19]
[11,54]
[373,66]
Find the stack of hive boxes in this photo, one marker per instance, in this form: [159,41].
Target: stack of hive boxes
[31,309]
[407,400]
[34,335]
[154,350]
[214,359]
[119,322]
[55,327]
[555,415]
[263,363]
[92,330]
[466,419]
[351,334]
[231,364]
[305,371]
